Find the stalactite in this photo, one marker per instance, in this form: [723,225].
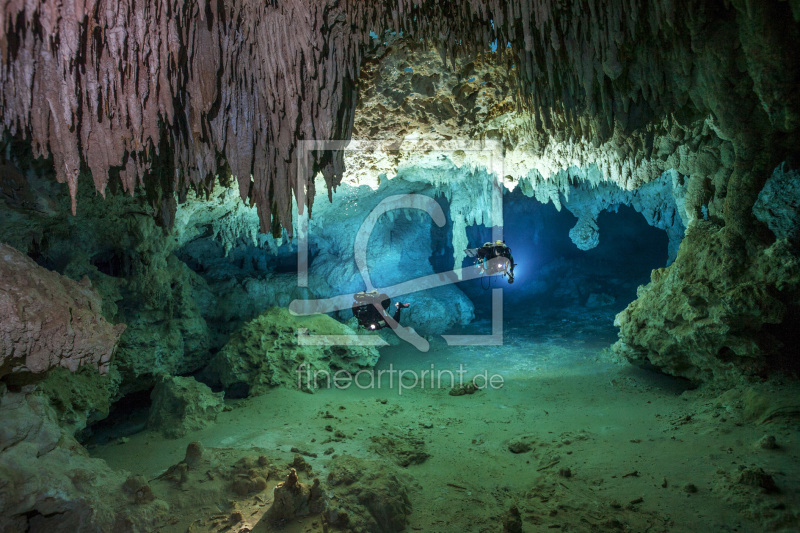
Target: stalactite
[104,84]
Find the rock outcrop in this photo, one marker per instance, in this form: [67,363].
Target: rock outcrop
[48,320]
[711,316]
[181,405]
[370,496]
[80,398]
[778,204]
[48,483]
[293,499]
[138,280]
[660,201]
[275,349]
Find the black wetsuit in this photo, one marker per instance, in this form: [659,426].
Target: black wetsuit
[490,251]
[370,317]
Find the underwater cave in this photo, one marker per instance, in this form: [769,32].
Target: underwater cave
[322,266]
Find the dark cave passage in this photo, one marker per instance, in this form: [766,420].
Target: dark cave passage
[127,416]
[559,287]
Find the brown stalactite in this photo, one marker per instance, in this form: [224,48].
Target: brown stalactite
[104,84]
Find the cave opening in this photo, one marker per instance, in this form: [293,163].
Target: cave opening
[126,417]
[560,310]
[557,284]
[112,263]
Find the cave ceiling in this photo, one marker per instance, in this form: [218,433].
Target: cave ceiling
[171,96]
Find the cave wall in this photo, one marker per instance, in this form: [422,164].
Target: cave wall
[50,321]
[114,245]
[250,272]
[51,484]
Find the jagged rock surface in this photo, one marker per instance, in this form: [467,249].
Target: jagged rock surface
[270,349]
[48,320]
[48,482]
[80,398]
[778,204]
[660,202]
[712,315]
[719,150]
[544,162]
[705,88]
[583,66]
[370,496]
[293,499]
[247,272]
[181,405]
[130,262]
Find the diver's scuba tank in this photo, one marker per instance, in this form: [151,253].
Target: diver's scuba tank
[364,297]
[361,302]
[364,306]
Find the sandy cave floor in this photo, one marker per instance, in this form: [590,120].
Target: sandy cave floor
[613,447]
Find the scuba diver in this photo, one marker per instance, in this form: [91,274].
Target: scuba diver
[493,250]
[371,317]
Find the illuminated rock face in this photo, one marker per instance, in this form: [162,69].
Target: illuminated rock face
[700,171]
[191,91]
[713,314]
[660,202]
[270,350]
[48,320]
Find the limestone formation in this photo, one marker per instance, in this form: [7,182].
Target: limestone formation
[50,484]
[370,496]
[580,65]
[549,163]
[181,405]
[80,398]
[705,89]
[278,348]
[521,444]
[778,204]
[133,271]
[48,320]
[688,111]
[756,477]
[660,201]
[708,316]
[397,251]
[213,488]
[294,499]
